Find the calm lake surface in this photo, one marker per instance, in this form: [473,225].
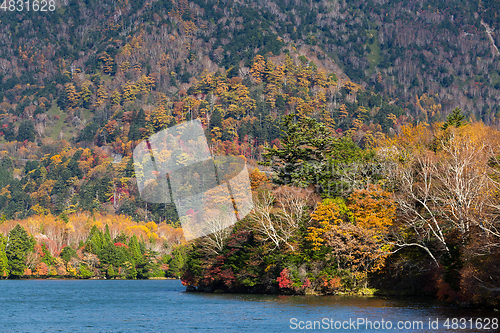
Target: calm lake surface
[164,306]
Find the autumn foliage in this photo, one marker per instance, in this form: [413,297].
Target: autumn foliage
[84,245]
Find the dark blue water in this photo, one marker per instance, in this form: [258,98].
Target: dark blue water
[163,306]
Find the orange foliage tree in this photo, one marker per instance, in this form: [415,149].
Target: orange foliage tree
[372,208]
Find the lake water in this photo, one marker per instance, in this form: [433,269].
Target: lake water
[164,306]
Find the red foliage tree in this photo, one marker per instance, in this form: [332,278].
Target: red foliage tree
[118,244]
[284,280]
[42,269]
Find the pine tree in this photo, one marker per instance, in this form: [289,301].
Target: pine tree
[320,79]
[138,122]
[67,253]
[305,143]
[86,93]
[18,246]
[4,265]
[310,154]
[94,242]
[102,95]
[107,235]
[109,65]
[258,68]
[72,95]
[135,248]
[343,113]
[159,120]
[110,272]
[130,90]
[26,131]
[216,119]
[268,73]
[455,118]
[116,97]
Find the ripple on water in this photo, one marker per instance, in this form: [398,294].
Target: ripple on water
[162,305]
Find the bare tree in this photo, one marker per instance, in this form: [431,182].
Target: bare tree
[417,205]
[218,233]
[450,188]
[275,219]
[464,184]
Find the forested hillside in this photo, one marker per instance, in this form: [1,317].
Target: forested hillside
[97,74]
[326,96]
[91,57]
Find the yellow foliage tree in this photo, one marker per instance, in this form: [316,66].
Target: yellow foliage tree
[323,218]
[85,92]
[259,64]
[108,63]
[116,97]
[72,95]
[343,112]
[130,90]
[102,95]
[373,208]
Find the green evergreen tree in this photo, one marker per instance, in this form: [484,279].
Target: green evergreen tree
[455,118]
[18,246]
[132,273]
[179,258]
[26,131]
[311,155]
[67,253]
[305,143]
[129,169]
[6,172]
[9,132]
[47,257]
[107,235]
[138,122]
[113,255]
[135,248]
[110,272]
[216,119]
[94,242]
[4,264]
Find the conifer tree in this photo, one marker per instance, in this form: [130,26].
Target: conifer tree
[135,248]
[455,118]
[107,235]
[18,245]
[26,131]
[4,266]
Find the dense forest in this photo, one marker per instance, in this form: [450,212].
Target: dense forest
[84,246]
[345,112]
[415,214]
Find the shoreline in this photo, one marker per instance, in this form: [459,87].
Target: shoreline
[83,278]
[376,294]
[364,292]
